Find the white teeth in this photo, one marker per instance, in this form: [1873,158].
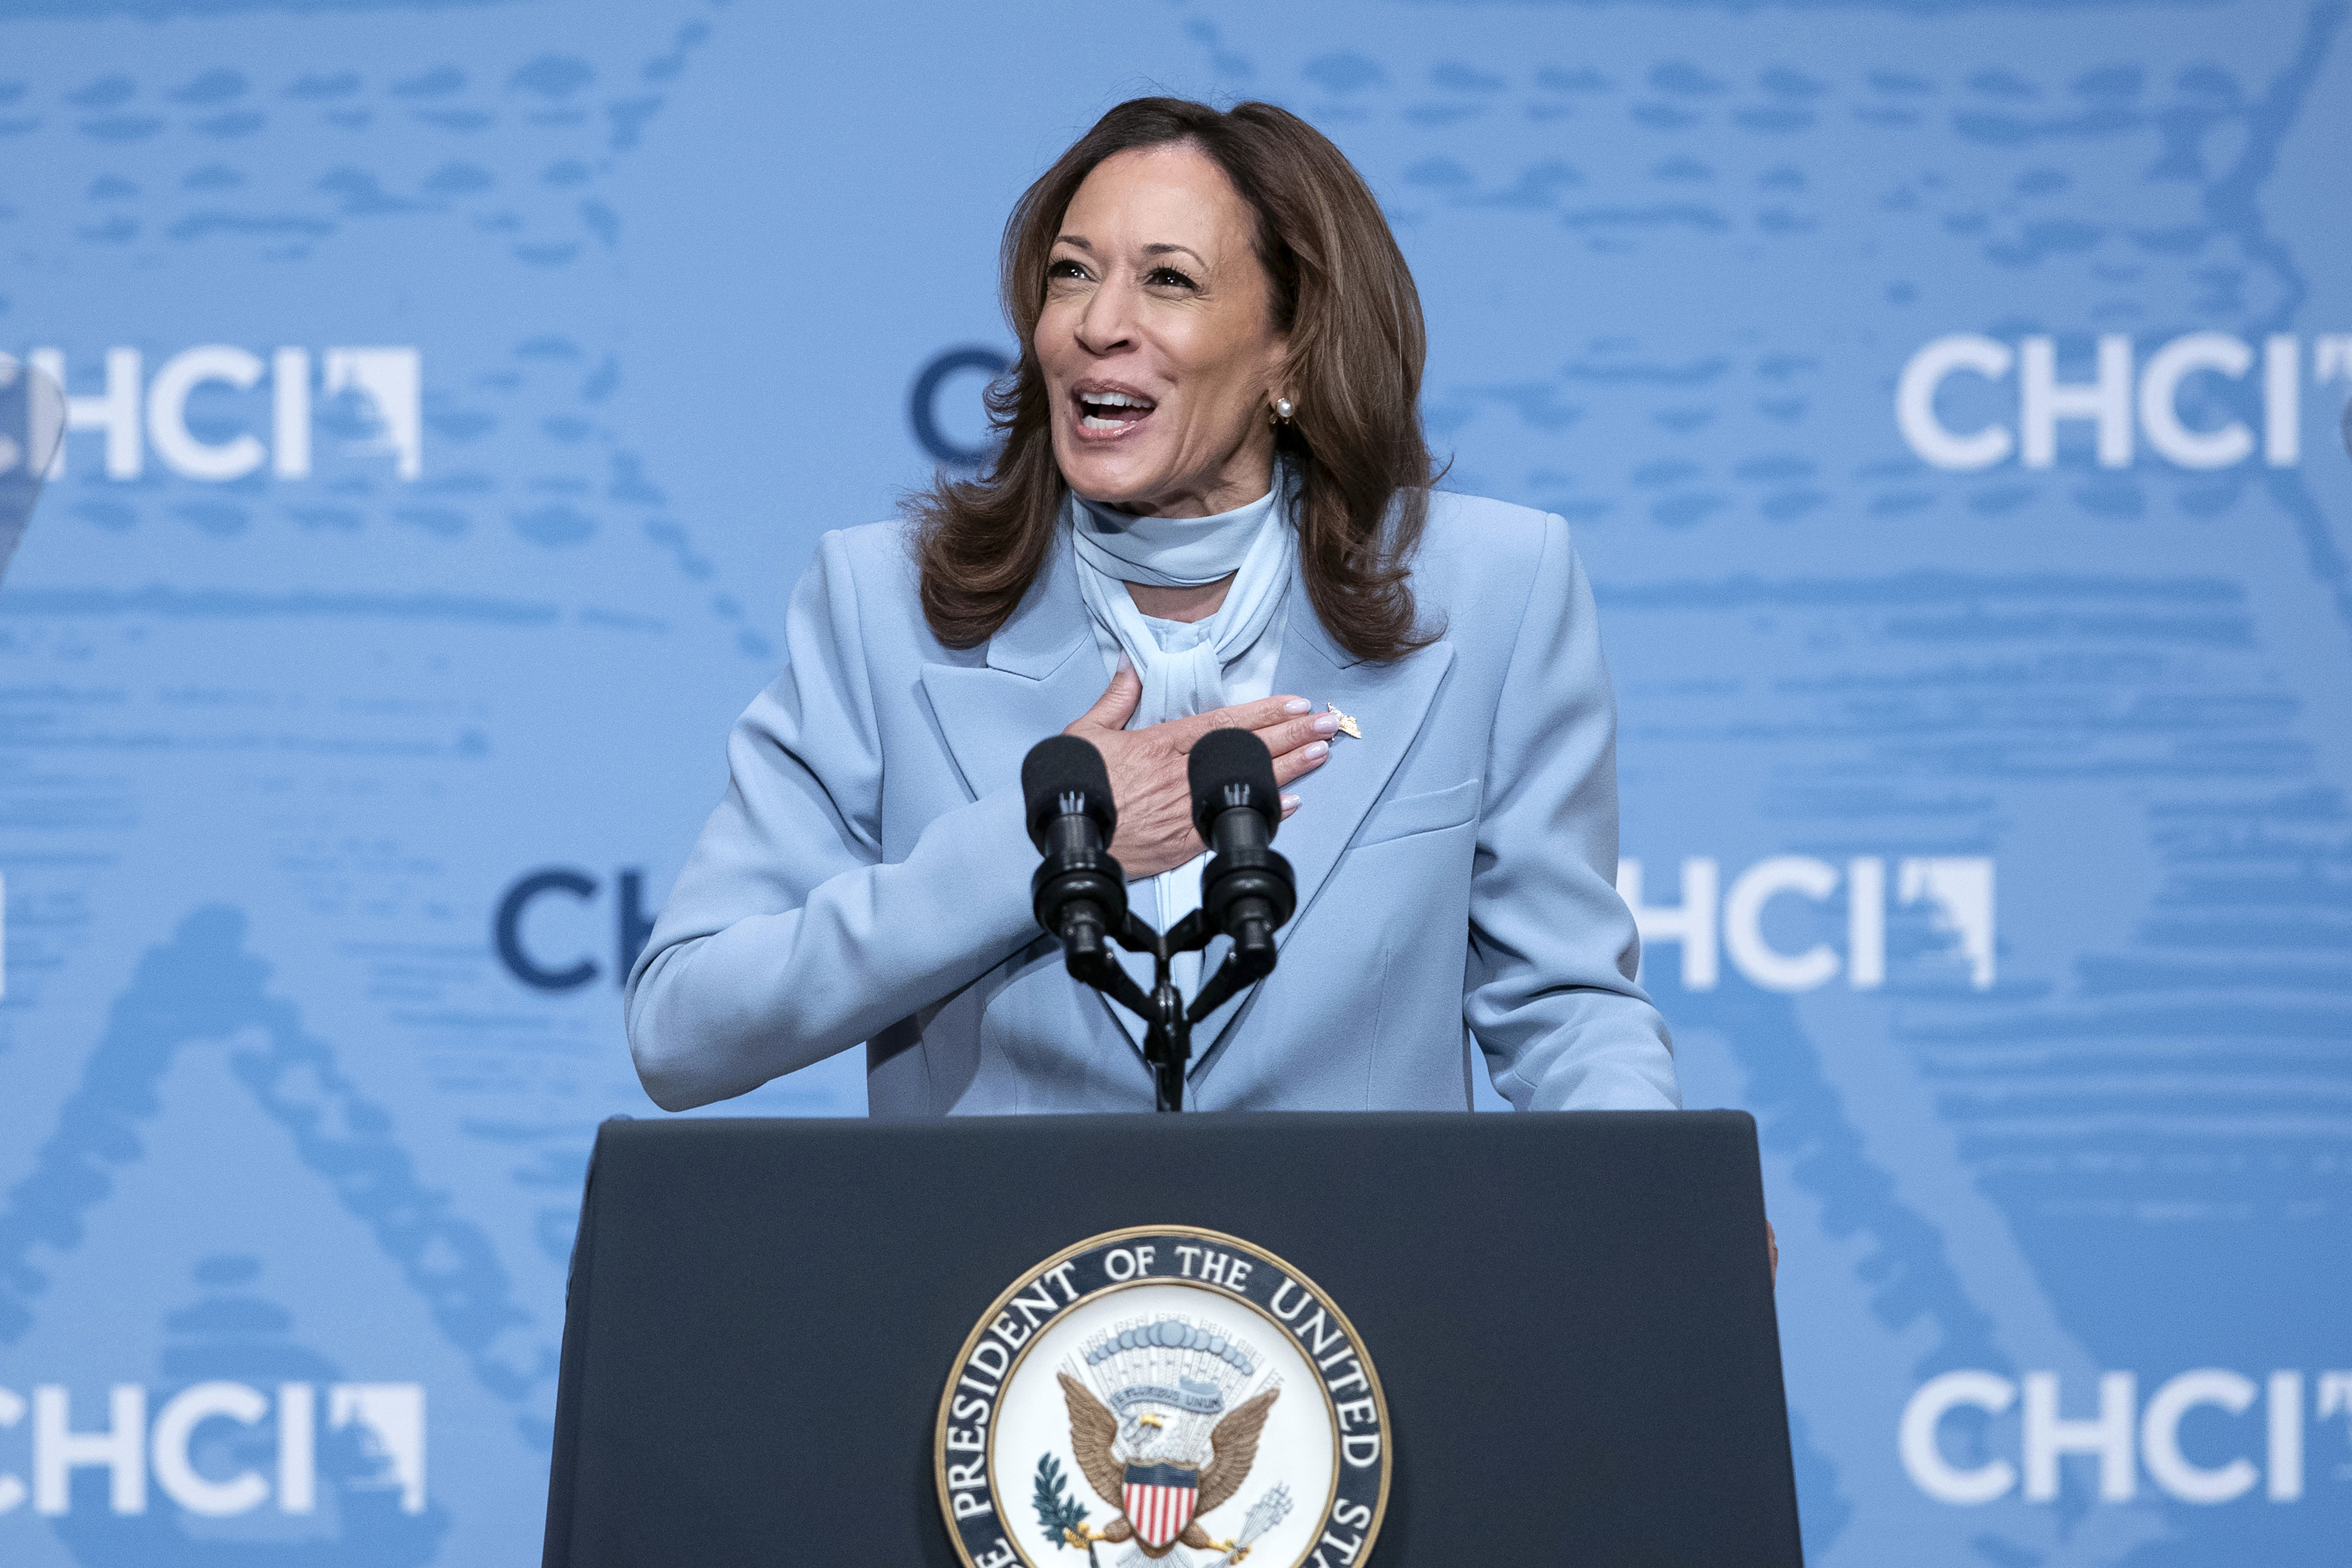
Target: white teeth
[1091,423]
[1114,400]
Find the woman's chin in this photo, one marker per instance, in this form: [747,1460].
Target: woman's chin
[1113,478]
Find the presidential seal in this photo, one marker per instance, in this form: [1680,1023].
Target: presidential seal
[1164,1397]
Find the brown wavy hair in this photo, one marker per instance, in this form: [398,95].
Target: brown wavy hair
[1345,299]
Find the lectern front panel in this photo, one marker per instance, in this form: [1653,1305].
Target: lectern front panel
[1569,1318]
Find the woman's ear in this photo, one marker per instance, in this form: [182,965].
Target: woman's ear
[1281,375]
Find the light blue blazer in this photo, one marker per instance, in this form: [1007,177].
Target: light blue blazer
[867,877]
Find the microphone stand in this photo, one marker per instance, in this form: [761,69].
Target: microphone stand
[1079,893]
[1167,1021]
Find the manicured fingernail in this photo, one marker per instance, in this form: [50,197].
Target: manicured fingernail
[1289,804]
[1315,750]
[1125,664]
[1296,705]
[1325,724]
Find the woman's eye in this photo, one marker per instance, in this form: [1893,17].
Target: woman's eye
[1168,277]
[1064,269]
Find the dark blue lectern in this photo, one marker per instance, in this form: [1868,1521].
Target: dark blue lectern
[1571,1317]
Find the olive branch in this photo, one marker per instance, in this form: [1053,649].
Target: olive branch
[1057,1512]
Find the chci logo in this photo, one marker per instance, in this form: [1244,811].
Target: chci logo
[1163,1396]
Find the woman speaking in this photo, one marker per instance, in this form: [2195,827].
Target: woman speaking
[1211,508]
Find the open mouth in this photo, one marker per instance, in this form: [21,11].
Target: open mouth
[1107,413]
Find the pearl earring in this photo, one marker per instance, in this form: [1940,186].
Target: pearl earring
[1282,409]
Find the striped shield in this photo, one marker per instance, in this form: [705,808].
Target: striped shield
[1160,1500]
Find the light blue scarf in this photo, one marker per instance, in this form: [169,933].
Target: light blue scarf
[1256,545]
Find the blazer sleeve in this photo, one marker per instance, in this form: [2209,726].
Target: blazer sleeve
[1548,991]
[788,937]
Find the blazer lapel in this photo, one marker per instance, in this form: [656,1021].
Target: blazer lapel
[1387,702]
[1042,673]
[1033,684]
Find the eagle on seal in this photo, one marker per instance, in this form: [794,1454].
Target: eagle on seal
[1233,1449]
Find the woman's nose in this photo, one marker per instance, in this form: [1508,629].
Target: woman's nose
[1106,325]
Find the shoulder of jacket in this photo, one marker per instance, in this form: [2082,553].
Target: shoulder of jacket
[877,561]
[1481,537]
[871,546]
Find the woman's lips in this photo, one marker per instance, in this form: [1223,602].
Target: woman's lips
[1108,414]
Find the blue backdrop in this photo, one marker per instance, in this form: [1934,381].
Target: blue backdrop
[1945,394]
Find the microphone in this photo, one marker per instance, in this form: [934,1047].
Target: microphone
[1247,890]
[1079,893]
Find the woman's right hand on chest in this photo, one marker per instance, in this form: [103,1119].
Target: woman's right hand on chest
[1147,766]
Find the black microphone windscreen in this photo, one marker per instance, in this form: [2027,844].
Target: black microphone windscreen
[1229,767]
[1064,776]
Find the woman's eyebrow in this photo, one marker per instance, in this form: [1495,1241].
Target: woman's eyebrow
[1077,240]
[1174,249]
